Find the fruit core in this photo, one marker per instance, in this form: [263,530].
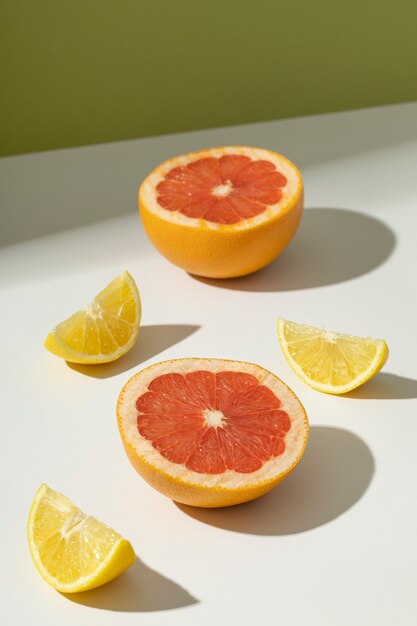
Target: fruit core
[224,190]
[213,422]
[214,418]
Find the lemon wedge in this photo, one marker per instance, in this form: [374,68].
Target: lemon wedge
[105,330]
[73,551]
[330,362]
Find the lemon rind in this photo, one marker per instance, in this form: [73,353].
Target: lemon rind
[121,556]
[375,366]
[54,344]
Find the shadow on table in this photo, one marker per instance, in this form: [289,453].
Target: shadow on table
[139,589]
[386,386]
[333,475]
[151,341]
[330,247]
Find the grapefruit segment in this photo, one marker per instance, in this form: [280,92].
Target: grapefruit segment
[222,212]
[210,432]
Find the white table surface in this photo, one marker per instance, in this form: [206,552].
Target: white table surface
[335,544]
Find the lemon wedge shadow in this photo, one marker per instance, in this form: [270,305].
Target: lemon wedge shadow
[152,340]
[385,386]
[139,589]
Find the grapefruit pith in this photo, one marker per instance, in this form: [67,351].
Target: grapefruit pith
[222,212]
[211,432]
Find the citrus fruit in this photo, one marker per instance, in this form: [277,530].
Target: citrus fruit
[222,212]
[73,551]
[211,432]
[328,361]
[105,330]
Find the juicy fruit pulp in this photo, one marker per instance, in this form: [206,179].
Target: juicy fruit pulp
[328,361]
[212,422]
[211,432]
[222,212]
[223,190]
[72,551]
[105,330]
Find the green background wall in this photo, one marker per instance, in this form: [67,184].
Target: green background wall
[76,72]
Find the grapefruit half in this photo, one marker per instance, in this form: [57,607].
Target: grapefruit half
[211,432]
[222,212]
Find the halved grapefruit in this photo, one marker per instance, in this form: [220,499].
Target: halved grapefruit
[222,212]
[211,432]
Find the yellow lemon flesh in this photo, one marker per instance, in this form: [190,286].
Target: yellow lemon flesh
[73,551]
[330,362]
[105,330]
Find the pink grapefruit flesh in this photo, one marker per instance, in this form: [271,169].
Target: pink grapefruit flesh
[212,422]
[223,190]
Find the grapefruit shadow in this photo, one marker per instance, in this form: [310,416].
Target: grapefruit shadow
[332,476]
[139,589]
[152,340]
[330,247]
